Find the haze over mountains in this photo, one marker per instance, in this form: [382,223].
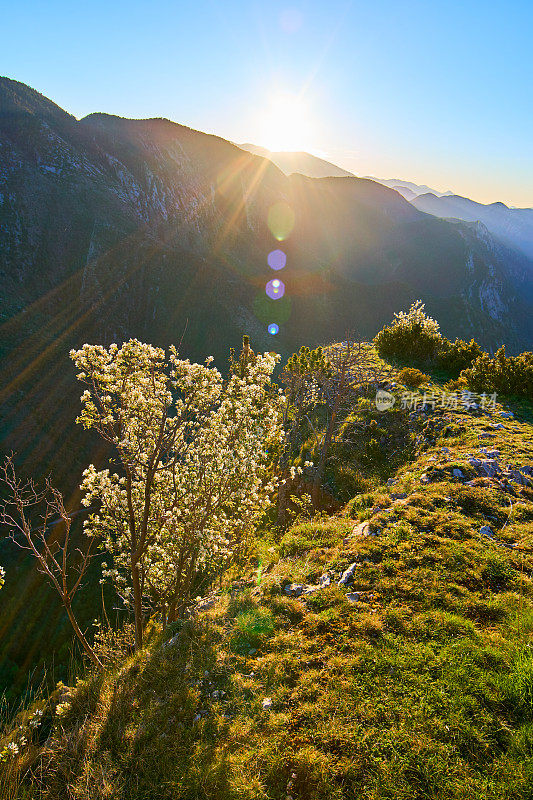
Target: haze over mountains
[303,163]
[514,226]
[511,225]
[111,228]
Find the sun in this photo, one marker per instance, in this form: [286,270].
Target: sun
[285,124]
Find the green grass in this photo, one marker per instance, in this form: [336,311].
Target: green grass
[420,690]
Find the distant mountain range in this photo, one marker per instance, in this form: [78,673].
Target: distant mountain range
[514,226]
[407,188]
[111,228]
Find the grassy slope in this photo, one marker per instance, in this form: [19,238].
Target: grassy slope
[423,688]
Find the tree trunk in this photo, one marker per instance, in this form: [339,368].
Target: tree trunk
[321,467]
[85,644]
[137,607]
[283,501]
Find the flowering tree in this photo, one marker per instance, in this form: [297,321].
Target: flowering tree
[194,465]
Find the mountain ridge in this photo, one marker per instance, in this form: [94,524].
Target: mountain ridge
[111,228]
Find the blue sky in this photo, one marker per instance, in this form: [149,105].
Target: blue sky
[433,91]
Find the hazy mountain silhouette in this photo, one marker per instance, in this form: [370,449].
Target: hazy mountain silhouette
[512,225]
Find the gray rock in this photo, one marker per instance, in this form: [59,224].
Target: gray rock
[347,575]
[362,530]
[353,597]
[486,530]
[457,473]
[506,415]
[294,589]
[324,581]
[485,467]
[174,640]
[487,435]
[518,476]
[491,453]
[497,426]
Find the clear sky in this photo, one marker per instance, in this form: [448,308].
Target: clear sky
[433,91]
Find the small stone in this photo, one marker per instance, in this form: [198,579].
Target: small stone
[362,530]
[173,641]
[347,575]
[497,426]
[252,651]
[353,597]
[491,453]
[457,473]
[324,580]
[267,703]
[506,415]
[486,530]
[294,589]
[487,435]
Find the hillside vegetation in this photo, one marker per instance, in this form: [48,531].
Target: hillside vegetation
[376,645]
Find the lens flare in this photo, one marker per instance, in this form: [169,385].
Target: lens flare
[276,259]
[275,289]
[273,328]
[280,220]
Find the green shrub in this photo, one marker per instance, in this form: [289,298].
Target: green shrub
[412,377]
[415,337]
[456,356]
[411,336]
[506,375]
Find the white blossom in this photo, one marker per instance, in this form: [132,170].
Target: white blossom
[202,442]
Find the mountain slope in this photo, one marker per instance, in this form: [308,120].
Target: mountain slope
[380,653]
[303,163]
[512,225]
[112,227]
